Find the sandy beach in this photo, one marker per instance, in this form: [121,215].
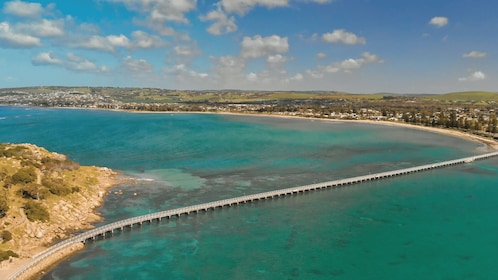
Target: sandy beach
[492,144]
[107,183]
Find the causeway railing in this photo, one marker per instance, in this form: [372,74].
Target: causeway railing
[103,231]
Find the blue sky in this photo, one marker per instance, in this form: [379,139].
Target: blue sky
[358,46]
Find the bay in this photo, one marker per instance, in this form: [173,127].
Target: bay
[439,224]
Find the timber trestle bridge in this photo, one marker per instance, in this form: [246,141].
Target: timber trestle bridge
[103,231]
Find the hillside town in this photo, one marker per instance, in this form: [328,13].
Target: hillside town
[474,116]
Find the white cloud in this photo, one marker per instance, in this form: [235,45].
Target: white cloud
[43,28]
[222,22]
[252,77]
[72,62]
[346,66]
[475,54]
[258,46]
[228,71]
[10,38]
[320,56]
[344,37]
[276,60]
[46,58]
[241,7]
[184,75]
[95,42]
[474,76]
[143,40]
[23,9]
[439,21]
[81,64]
[185,54]
[140,66]
[297,77]
[315,74]
[160,11]
[118,41]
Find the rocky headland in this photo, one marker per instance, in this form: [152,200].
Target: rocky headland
[44,198]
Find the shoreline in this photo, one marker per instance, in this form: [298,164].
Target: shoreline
[108,179]
[490,143]
[493,144]
[112,181]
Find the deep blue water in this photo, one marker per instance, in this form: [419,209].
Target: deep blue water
[440,224]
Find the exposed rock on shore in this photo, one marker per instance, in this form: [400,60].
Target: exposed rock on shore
[33,180]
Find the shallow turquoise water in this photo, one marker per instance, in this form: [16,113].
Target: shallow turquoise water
[439,225]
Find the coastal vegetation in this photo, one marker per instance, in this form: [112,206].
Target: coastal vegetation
[471,112]
[44,196]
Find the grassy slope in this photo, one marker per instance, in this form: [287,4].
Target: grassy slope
[82,177]
[467,96]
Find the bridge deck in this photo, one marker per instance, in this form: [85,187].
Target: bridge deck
[120,225]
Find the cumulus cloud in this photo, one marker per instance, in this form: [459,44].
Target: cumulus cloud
[136,65]
[258,46]
[344,37]
[439,21]
[158,12]
[81,64]
[144,40]
[277,60]
[346,66]
[45,58]
[472,77]
[23,9]
[184,54]
[241,7]
[475,54]
[11,38]
[297,77]
[187,77]
[222,23]
[228,70]
[43,28]
[101,43]
[71,62]
[351,64]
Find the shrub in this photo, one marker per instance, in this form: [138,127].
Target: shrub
[6,236]
[5,255]
[36,212]
[4,206]
[11,151]
[33,191]
[24,176]
[57,187]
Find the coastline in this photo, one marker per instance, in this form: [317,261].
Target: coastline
[490,143]
[108,179]
[53,260]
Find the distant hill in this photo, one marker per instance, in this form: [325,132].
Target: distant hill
[467,96]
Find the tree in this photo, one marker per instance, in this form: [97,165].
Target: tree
[492,124]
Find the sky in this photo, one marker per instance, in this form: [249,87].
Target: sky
[356,46]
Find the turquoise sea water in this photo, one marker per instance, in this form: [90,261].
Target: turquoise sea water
[440,224]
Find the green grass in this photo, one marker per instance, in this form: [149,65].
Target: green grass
[476,96]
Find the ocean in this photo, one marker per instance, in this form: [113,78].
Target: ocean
[440,224]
